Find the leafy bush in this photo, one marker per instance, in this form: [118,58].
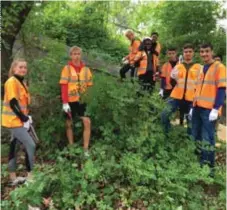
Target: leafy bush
[132,163]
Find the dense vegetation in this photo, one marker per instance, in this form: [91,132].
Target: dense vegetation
[133,163]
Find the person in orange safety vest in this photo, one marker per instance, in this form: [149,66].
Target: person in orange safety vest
[16,118]
[128,60]
[74,81]
[157,50]
[208,99]
[146,71]
[168,83]
[182,95]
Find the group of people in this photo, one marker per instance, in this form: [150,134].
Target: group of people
[199,89]
[74,80]
[144,58]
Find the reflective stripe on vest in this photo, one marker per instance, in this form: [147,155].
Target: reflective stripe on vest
[74,94]
[202,98]
[21,106]
[78,76]
[9,113]
[206,82]
[64,78]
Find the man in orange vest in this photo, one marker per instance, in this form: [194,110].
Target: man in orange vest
[182,95]
[208,99]
[128,60]
[167,83]
[157,50]
[74,81]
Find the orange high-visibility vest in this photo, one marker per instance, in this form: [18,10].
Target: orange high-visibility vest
[14,89]
[77,82]
[183,89]
[133,49]
[141,56]
[155,57]
[166,72]
[207,85]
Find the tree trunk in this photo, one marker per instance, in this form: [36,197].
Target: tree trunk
[13,16]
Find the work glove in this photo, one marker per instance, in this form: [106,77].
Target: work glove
[66,108]
[190,114]
[27,124]
[213,115]
[161,93]
[125,61]
[174,73]
[180,59]
[30,119]
[132,65]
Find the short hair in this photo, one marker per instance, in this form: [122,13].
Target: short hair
[188,46]
[171,49]
[74,48]
[218,56]
[155,33]
[129,31]
[207,45]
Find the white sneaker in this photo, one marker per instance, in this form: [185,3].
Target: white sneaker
[86,154]
[17,181]
[21,179]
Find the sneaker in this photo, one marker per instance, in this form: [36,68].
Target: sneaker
[17,181]
[21,179]
[86,154]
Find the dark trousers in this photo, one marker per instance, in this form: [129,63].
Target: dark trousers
[167,93]
[203,131]
[172,106]
[125,69]
[147,82]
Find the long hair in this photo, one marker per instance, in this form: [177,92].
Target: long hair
[13,65]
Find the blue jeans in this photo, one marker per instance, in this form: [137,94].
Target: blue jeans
[172,106]
[203,130]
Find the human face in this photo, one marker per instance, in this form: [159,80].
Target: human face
[20,68]
[75,55]
[148,44]
[172,55]
[154,38]
[206,54]
[188,54]
[130,36]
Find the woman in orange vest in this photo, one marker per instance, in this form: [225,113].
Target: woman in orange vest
[128,60]
[74,81]
[208,100]
[147,68]
[15,117]
[186,75]
[167,83]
